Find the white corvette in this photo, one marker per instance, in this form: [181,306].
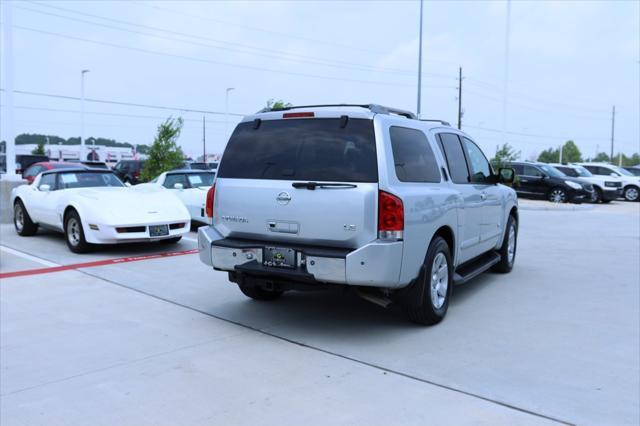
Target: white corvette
[95,207]
[190,186]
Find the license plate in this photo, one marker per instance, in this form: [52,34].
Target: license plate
[279,257]
[158,230]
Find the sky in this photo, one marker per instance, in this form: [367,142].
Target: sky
[569,62]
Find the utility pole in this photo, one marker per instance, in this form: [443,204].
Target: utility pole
[82,152]
[459,98]
[420,61]
[226,114]
[204,142]
[7,70]
[613,126]
[506,72]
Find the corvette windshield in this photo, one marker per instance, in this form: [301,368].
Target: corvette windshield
[88,180]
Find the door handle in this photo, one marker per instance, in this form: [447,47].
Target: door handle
[483,195]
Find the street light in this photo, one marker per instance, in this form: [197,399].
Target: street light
[82,73]
[226,113]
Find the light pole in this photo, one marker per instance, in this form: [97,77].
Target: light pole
[82,73]
[420,62]
[7,70]
[226,113]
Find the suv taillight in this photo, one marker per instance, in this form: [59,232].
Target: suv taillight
[209,205]
[390,216]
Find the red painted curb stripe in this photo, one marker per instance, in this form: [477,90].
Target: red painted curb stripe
[95,263]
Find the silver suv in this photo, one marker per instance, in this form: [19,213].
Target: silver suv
[365,196]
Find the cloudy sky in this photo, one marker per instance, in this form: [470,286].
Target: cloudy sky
[570,61]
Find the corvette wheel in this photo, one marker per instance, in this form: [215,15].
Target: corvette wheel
[74,233]
[22,221]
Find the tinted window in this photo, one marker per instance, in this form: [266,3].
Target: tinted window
[568,171]
[33,171]
[413,157]
[592,169]
[452,150]
[302,149]
[519,168]
[48,179]
[532,171]
[480,169]
[171,180]
[551,171]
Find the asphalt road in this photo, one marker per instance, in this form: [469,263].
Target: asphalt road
[169,341]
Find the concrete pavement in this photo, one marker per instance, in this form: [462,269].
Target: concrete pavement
[169,341]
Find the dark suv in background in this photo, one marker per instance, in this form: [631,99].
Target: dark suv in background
[544,181]
[129,170]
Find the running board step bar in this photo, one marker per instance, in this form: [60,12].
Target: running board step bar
[475,267]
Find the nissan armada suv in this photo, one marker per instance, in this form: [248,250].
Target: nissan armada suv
[365,196]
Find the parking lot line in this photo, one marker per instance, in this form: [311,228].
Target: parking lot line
[28,256]
[60,268]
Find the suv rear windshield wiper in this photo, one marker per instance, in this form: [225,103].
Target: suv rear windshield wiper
[314,185]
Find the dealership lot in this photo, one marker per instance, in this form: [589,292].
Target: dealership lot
[166,340]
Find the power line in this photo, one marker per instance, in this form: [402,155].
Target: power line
[266,31]
[109,114]
[104,101]
[255,51]
[191,58]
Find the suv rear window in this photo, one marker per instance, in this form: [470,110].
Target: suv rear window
[302,149]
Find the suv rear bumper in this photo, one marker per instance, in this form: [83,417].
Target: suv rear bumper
[376,264]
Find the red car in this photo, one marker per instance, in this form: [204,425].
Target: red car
[34,169]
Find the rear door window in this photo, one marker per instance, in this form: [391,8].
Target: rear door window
[302,149]
[532,171]
[413,156]
[453,153]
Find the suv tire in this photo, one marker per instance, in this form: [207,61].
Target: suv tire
[22,221]
[508,249]
[259,293]
[558,195]
[596,197]
[432,288]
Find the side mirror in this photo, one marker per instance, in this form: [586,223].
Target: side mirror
[506,175]
[613,174]
[44,188]
[127,184]
[178,186]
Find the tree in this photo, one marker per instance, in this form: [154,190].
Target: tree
[505,154]
[279,104]
[634,160]
[38,150]
[571,153]
[549,156]
[164,154]
[602,157]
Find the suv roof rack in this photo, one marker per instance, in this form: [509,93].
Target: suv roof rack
[435,120]
[375,108]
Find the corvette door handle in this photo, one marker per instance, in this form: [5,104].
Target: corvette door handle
[483,195]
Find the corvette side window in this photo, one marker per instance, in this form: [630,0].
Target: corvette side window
[49,179]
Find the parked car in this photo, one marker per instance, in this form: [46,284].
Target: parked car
[362,196]
[91,164]
[634,170]
[544,181]
[95,207]
[129,171]
[191,187]
[194,165]
[23,161]
[630,183]
[33,170]
[605,188]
